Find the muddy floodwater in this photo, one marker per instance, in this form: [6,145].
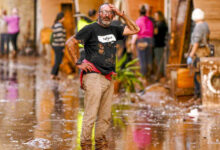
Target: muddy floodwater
[37,113]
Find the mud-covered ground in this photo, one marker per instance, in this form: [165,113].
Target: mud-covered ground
[37,113]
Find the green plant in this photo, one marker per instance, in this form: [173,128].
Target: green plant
[128,75]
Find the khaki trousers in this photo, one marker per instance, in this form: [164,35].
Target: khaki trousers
[97,105]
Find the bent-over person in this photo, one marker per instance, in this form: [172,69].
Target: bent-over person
[199,41]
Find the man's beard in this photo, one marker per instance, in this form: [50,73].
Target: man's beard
[105,22]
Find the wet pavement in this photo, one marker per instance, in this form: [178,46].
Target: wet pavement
[37,113]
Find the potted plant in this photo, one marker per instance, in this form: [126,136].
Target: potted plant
[127,74]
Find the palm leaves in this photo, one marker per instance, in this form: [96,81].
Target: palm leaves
[128,76]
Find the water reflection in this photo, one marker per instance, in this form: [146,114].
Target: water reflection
[142,131]
[37,113]
[137,132]
[8,76]
[210,129]
[56,116]
[149,128]
[44,108]
[16,111]
[12,87]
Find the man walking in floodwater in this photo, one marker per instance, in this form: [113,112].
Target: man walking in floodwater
[99,40]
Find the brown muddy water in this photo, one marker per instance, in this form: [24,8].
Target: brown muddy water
[37,113]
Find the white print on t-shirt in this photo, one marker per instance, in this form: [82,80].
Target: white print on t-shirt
[107,38]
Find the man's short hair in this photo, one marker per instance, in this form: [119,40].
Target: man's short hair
[102,5]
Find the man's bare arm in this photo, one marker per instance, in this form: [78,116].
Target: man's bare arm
[131,27]
[72,46]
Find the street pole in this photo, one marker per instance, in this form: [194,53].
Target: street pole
[76,9]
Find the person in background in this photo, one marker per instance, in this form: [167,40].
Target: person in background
[13,29]
[160,32]
[121,49]
[4,34]
[144,41]
[99,40]
[84,20]
[92,14]
[199,41]
[149,12]
[58,43]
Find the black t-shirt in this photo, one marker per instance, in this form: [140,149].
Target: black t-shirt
[100,45]
[162,31]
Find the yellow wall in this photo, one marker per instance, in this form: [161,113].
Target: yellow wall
[212,11]
[49,9]
[133,6]
[90,4]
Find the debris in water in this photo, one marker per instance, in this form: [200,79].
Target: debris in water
[39,143]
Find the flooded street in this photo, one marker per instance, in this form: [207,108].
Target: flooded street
[37,113]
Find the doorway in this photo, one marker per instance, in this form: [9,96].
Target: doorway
[69,24]
[68,9]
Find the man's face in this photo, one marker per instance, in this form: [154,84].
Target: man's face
[105,15]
